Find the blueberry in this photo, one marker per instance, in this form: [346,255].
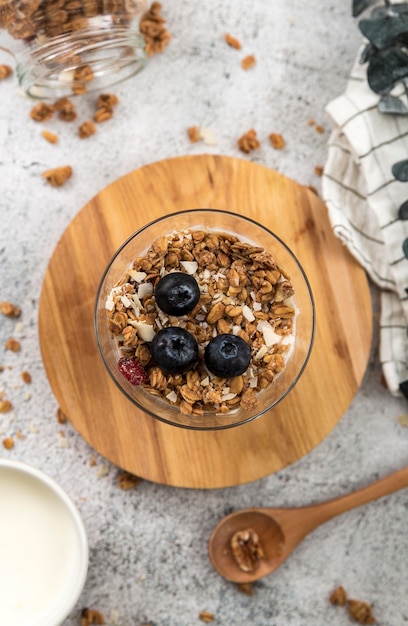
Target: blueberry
[177,293]
[174,350]
[227,356]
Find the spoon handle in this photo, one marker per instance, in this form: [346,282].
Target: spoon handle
[315,515]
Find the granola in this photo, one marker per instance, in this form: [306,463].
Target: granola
[232,41]
[242,291]
[57,176]
[248,62]
[248,141]
[277,141]
[9,309]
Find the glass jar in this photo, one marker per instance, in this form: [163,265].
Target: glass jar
[71,47]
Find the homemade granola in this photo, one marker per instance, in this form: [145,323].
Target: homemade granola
[242,291]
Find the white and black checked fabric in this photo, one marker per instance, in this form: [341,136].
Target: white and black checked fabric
[363,198]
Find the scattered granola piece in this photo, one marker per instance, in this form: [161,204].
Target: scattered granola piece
[49,136]
[19,435]
[277,141]
[66,109]
[248,62]
[248,141]
[206,616]
[26,377]
[104,107]
[311,122]
[246,588]
[193,134]
[232,41]
[152,27]
[246,549]
[8,443]
[5,71]
[403,419]
[5,406]
[319,129]
[86,129]
[42,112]
[318,170]
[91,616]
[61,418]
[338,597]
[361,612]
[13,345]
[102,115]
[127,481]
[9,310]
[107,100]
[57,176]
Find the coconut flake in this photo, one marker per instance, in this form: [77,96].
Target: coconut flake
[228,396]
[190,266]
[126,302]
[207,135]
[145,289]
[145,331]
[261,353]
[172,396]
[269,335]
[247,313]
[109,304]
[137,276]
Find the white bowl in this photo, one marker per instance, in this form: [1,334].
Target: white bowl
[43,548]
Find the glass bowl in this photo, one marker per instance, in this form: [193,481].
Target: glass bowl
[246,230]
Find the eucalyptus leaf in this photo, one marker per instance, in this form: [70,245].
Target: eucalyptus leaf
[367,54]
[386,69]
[400,170]
[383,32]
[361,5]
[392,106]
[403,211]
[399,7]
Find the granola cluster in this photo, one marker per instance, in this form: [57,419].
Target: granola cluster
[242,291]
[358,610]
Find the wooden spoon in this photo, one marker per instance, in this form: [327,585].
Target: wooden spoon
[281,530]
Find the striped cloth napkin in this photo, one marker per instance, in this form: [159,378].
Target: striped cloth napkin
[363,198]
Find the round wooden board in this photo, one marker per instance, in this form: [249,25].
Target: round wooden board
[170,455]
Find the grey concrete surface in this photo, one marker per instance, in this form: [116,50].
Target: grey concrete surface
[148,546]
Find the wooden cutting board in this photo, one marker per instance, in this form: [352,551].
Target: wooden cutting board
[170,455]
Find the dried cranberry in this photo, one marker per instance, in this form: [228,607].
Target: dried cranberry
[131,369]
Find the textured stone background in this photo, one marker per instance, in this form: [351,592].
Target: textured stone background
[149,546]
